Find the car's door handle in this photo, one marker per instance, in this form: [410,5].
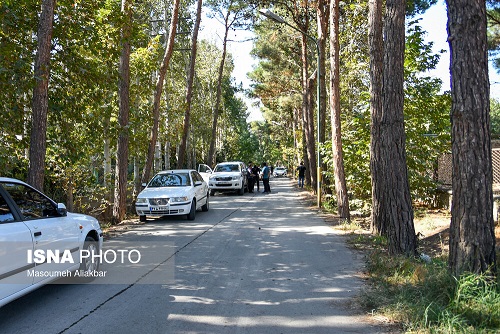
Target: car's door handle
[37,234]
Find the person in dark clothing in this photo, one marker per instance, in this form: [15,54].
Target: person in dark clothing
[302,174]
[256,178]
[250,177]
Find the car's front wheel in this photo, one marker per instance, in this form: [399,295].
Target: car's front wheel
[89,263]
[142,219]
[192,212]
[241,191]
[206,206]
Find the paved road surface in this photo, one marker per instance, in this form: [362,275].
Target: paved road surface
[258,263]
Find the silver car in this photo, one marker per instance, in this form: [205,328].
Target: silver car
[279,171]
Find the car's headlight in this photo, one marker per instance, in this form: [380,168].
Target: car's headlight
[179,199]
[211,178]
[141,201]
[236,178]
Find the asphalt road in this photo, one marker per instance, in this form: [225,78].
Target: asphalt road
[258,263]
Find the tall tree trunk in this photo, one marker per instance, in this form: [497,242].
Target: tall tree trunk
[213,139]
[137,177]
[40,103]
[70,202]
[120,202]
[375,41]
[158,91]
[307,108]
[167,155]
[296,152]
[338,158]
[472,237]
[322,19]
[189,87]
[305,158]
[107,154]
[323,15]
[396,206]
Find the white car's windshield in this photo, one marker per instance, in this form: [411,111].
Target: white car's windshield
[170,180]
[227,168]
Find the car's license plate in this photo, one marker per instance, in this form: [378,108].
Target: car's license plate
[158,208]
[224,184]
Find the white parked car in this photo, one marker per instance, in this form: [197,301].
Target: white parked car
[40,241]
[279,171]
[173,192]
[229,176]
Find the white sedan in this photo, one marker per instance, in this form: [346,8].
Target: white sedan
[173,192]
[40,241]
[279,171]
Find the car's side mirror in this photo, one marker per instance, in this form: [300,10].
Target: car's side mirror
[61,210]
[144,185]
[198,183]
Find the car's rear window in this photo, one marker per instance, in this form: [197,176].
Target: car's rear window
[170,180]
[227,168]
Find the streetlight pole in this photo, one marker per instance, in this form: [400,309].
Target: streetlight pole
[270,15]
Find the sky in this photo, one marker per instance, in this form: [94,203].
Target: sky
[213,31]
[433,21]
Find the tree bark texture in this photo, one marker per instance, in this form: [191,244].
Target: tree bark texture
[394,200]
[338,158]
[158,92]
[323,15]
[189,88]
[375,41]
[308,111]
[472,237]
[120,202]
[40,102]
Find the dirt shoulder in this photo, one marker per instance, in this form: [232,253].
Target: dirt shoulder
[432,226]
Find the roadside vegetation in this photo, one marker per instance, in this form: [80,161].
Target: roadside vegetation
[419,295]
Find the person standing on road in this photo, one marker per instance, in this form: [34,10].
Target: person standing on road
[250,177]
[302,174]
[256,178]
[266,174]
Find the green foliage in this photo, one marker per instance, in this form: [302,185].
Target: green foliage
[83,87]
[426,114]
[424,297]
[495,118]
[84,82]
[17,46]
[427,122]
[415,7]
[238,143]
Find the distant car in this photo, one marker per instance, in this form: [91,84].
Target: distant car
[173,192]
[229,176]
[279,171]
[33,226]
